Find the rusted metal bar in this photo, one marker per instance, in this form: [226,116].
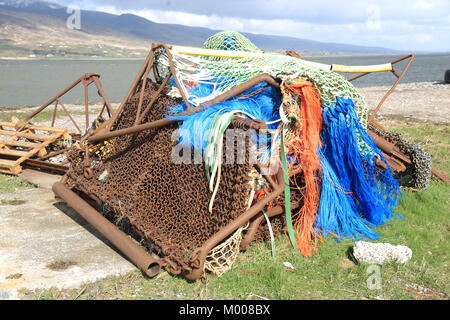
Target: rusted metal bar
[391,152]
[399,78]
[131,130]
[162,122]
[199,255]
[54,113]
[149,265]
[130,92]
[86,105]
[389,148]
[34,163]
[233,92]
[393,163]
[59,95]
[54,154]
[440,175]
[70,116]
[243,87]
[254,225]
[358,76]
[144,83]
[175,78]
[45,165]
[377,125]
[155,97]
[102,94]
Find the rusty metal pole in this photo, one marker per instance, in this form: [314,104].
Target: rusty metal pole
[130,91]
[399,78]
[149,265]
[103,95]
[135,129]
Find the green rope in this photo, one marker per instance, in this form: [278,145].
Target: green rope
[104,208]
[287,192]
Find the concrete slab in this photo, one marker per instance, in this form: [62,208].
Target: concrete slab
[41,179]
[44,244]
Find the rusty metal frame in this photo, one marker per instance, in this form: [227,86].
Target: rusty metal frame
[24,124]
[86,80]
[199,255]
[149,265]
[393,155]
[394,72]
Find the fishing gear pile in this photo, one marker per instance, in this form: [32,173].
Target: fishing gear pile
[255,145]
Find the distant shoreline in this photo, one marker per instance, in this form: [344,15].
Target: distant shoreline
[66,59]
[308,55]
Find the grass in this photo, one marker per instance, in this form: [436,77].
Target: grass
[329,273]
[45,115]
[10,183]
[433,138]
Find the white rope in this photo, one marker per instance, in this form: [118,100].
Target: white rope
[272,239]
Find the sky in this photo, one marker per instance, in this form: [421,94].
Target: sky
[411,25]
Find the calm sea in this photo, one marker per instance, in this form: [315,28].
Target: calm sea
[30,83]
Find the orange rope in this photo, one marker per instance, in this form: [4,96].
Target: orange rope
[303,150]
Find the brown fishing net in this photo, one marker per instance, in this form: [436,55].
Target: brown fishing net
[164,205]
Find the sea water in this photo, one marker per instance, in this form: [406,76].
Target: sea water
[34,82]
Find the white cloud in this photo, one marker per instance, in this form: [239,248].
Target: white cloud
[424,37]
[422,5]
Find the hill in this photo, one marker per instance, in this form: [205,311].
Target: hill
[38,28]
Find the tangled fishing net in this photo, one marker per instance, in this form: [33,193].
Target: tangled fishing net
[318,122]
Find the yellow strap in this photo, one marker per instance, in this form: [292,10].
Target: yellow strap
[356,69]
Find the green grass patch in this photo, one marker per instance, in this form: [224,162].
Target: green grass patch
[43,116]
[433,138]
[10,183]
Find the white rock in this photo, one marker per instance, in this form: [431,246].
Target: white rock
[380,253]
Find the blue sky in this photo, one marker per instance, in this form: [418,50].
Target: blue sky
[415,25]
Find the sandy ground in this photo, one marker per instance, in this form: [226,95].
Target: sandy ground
[423,101]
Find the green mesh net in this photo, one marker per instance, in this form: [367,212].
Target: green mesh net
[226,72]
[230,40]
